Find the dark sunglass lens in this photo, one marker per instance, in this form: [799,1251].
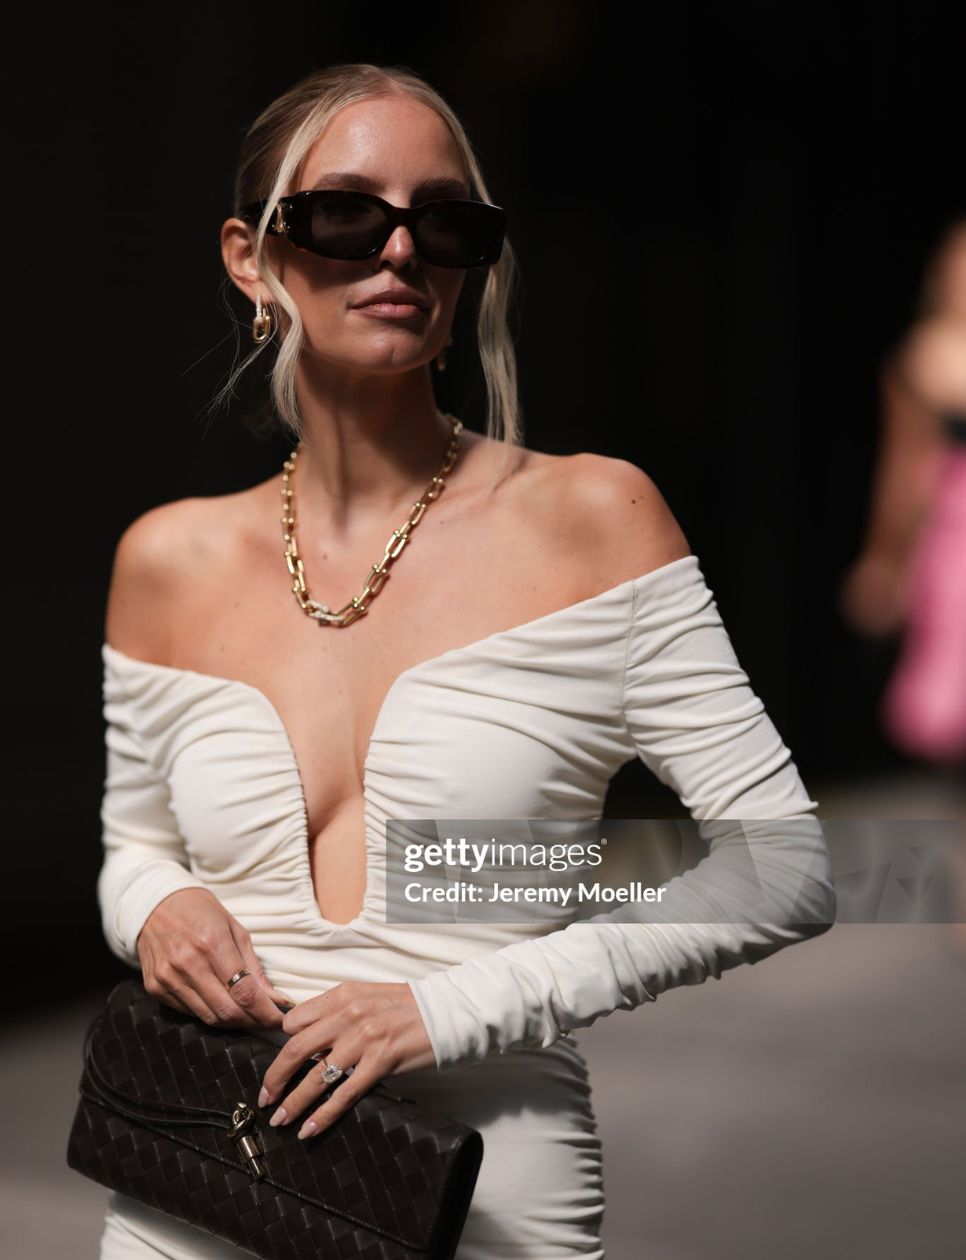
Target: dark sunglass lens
[346,226]
[456,235]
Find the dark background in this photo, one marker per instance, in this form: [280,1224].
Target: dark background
[720,217]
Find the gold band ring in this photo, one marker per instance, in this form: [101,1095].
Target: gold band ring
[239,975]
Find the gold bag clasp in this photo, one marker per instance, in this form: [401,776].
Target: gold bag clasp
[245,1137]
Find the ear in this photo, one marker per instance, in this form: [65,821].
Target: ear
[237,242]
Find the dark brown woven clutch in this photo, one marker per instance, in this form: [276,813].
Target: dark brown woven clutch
[167,1115]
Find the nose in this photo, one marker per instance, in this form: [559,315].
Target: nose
[400,247]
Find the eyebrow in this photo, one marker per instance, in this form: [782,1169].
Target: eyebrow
[440,185]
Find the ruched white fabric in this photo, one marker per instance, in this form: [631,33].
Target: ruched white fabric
[203,790]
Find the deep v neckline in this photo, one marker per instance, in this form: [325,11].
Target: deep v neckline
[305,838]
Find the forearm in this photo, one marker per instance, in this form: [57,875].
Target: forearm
[765,885]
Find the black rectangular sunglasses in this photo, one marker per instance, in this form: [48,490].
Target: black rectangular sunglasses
[350,226]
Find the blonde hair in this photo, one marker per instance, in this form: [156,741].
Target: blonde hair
[270,157]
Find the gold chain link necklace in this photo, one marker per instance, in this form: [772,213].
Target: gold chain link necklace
[358,606]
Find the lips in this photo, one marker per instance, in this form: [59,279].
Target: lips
[396,297]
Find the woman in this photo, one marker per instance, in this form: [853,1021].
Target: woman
[544,624]
[912,571]
[911,574]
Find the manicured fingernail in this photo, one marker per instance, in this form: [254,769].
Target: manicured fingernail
[263,1097]
[278,1117]
[308,1129]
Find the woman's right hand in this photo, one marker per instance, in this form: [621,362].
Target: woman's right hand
[190,947]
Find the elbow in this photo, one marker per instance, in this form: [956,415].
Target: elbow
[816,903]
[818,909]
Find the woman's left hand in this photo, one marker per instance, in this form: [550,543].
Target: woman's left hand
[375,1029]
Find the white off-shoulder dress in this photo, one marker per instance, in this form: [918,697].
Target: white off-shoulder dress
[203,790]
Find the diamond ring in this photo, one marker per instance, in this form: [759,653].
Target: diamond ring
[331,1072]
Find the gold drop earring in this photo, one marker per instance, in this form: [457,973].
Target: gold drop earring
[441,357]
[262,323]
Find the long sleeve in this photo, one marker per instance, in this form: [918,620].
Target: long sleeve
[144,855]
[693,719]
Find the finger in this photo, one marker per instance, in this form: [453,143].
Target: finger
[307,1012]
[250,1003]
[170,999]
[296,1051]
[243,943]
[367,1072]
[162,980]
[306,1094]
[312,1087]
[344,1051]
[188,1000]
[184,999]
[245,1004]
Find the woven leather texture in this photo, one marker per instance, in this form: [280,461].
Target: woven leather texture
[389,1180]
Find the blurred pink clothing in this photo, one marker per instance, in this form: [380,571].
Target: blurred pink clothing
[923,708]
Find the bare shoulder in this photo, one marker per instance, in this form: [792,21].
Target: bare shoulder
[609,513]
[158,555]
